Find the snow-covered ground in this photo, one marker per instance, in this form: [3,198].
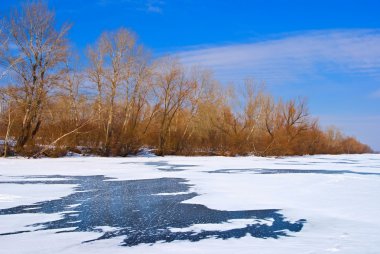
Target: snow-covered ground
[331,202]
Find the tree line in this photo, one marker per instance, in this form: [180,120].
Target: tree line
[123,100]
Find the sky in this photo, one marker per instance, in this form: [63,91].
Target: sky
[327,50]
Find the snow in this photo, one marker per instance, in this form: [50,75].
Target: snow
[230,224]
[340,203]
[22,222]
[12,195]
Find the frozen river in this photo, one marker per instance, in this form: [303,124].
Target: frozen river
[312,204]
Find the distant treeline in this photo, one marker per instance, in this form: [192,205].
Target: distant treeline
[122,100]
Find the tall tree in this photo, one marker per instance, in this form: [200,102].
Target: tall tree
[95,74]
[36,58]
[173,90]
[137,88]
[71,85]
[111,69]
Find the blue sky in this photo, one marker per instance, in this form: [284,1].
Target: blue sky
[327,51]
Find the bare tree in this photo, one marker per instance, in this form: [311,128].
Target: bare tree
[173,89]
[253,113]
[41,49]
[201,82]
[271,124]
[111,66]
[71,84]
[296,118]
[137,88]
[95,74]
[6,111]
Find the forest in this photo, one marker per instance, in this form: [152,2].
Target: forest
[118,99]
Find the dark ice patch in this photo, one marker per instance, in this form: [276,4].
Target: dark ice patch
[138,211]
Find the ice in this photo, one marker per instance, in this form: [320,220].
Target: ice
[338,195]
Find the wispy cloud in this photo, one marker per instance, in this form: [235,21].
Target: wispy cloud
[153,6]
[290,57]
[376,94]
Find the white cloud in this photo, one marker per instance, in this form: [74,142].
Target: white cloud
[291,57]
